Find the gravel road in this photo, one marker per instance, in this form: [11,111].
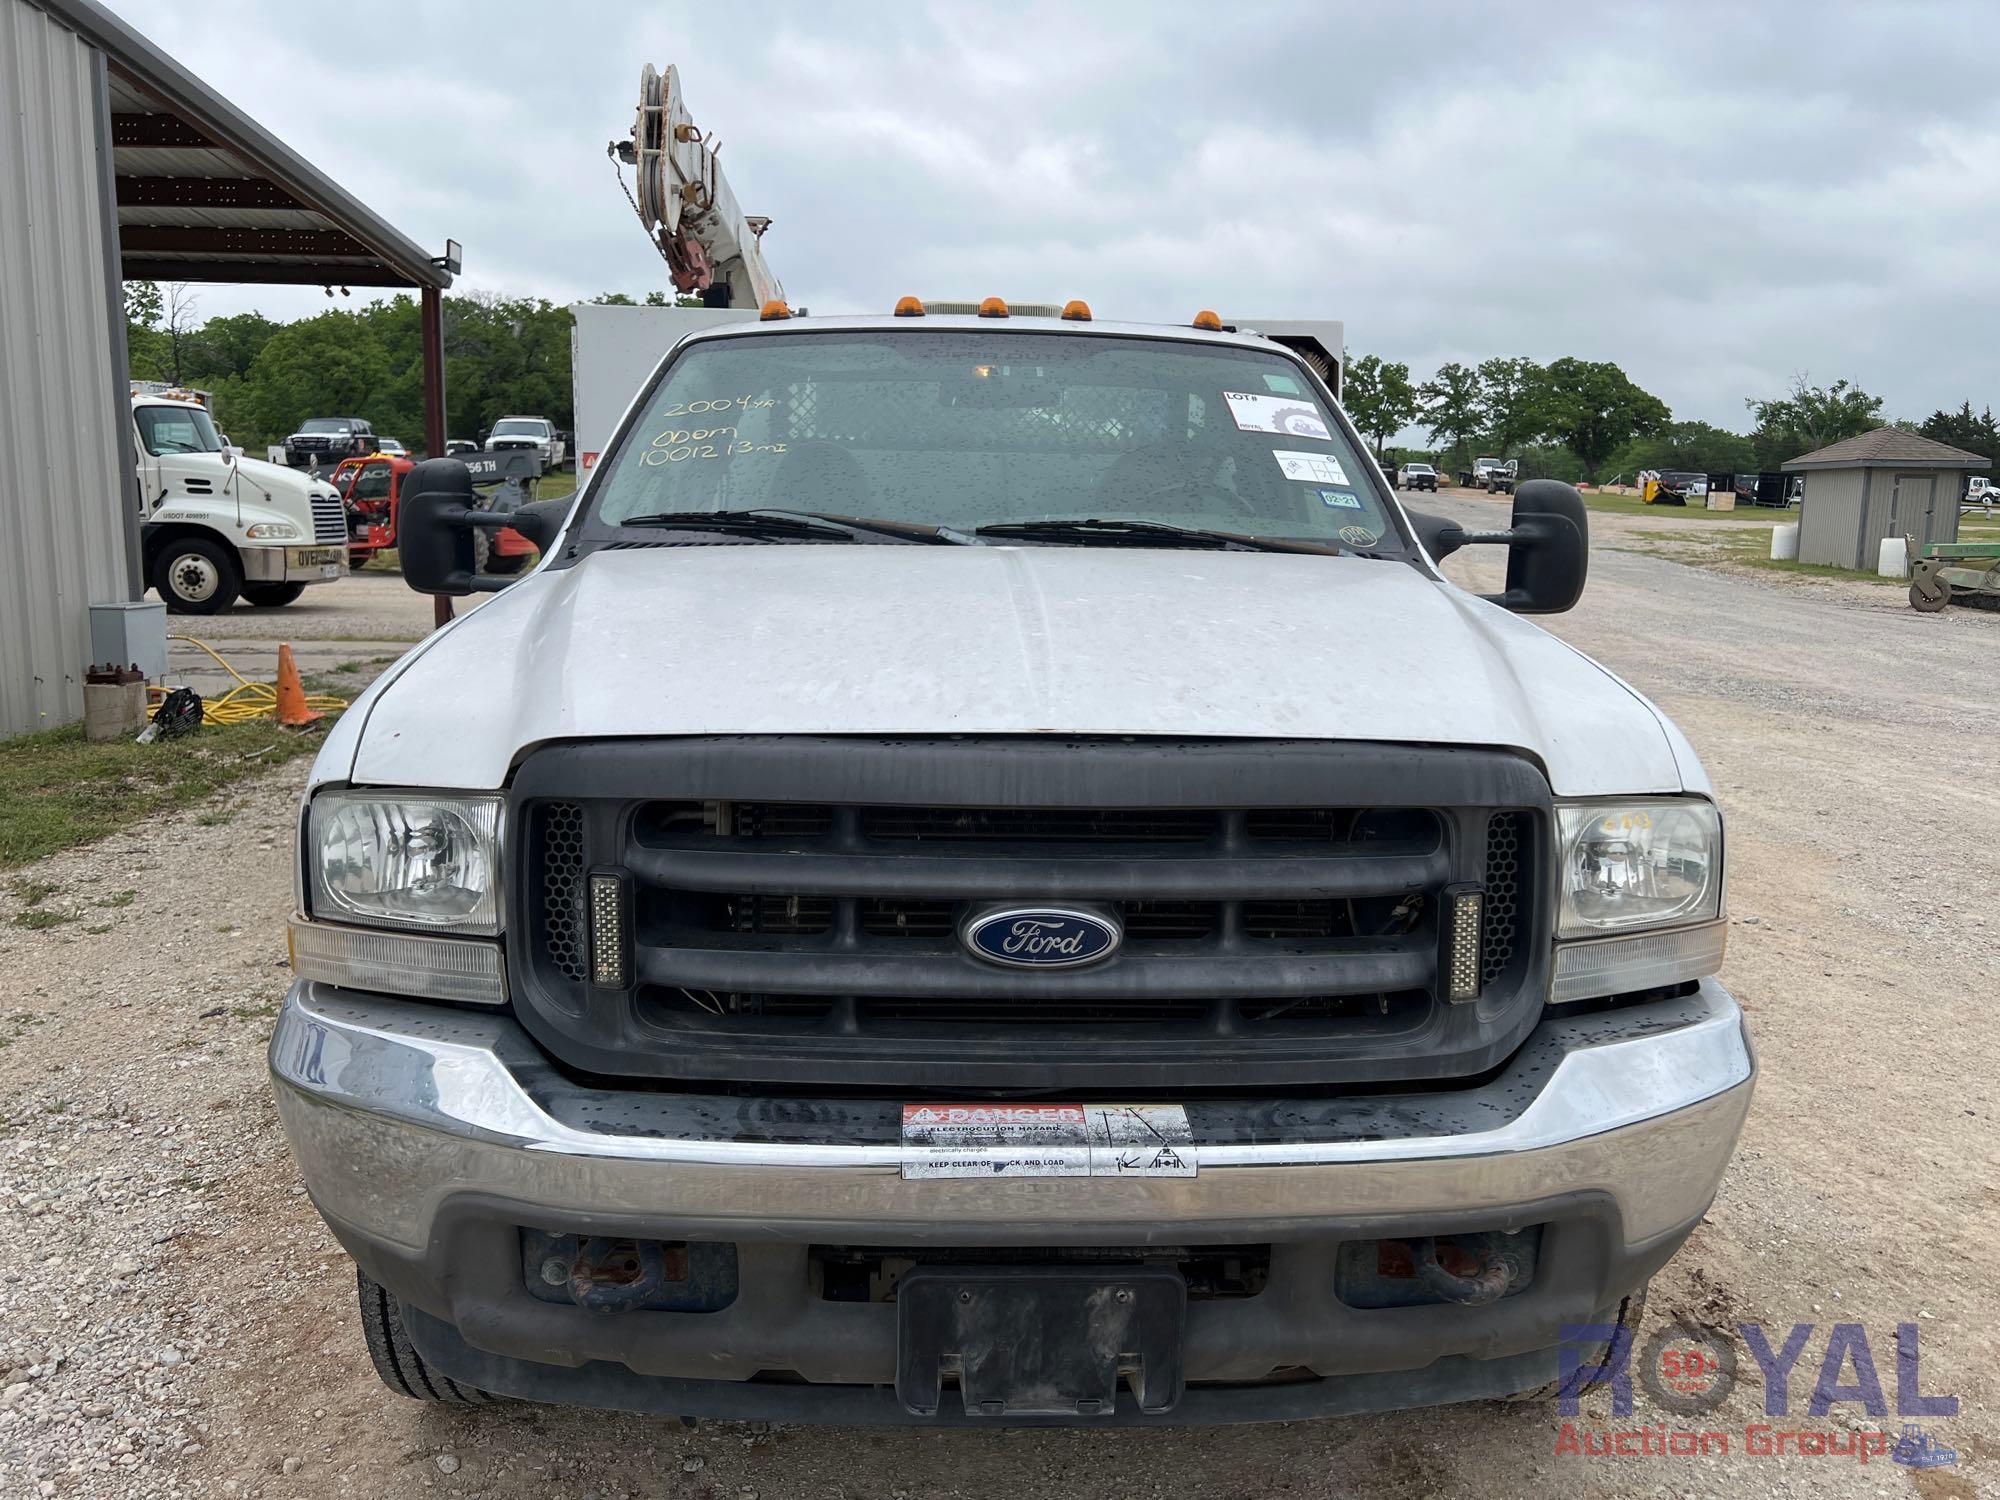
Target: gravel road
[174,1321]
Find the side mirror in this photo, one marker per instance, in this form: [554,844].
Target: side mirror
[436,518]
[1548,547]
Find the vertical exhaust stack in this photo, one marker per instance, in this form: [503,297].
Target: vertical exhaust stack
[686,203]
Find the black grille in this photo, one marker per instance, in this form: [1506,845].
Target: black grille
[1506,903]
[779,938]
[559,834]
[1142,921]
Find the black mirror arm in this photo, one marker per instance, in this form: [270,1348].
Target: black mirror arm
[541,521]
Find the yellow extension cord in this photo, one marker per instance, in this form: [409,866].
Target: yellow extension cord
[248,700]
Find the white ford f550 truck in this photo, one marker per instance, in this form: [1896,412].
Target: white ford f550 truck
[216,526]
[1004,887]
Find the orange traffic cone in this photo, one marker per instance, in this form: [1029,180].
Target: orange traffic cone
[292,692]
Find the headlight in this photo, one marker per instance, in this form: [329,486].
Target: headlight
[406,860]
[274,531]
[1641,863]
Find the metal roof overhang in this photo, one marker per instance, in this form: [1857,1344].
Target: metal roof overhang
[205,193]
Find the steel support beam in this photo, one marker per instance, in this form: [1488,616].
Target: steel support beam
[298,244]
[277,271]
[204,192]
[159,130]
[431,315]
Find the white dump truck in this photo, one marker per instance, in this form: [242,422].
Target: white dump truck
[217,526]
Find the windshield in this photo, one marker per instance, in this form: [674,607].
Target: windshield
[324,424]
[519,427]
[176,429]
[1418,468]
[964,429]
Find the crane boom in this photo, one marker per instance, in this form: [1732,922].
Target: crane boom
[686,203]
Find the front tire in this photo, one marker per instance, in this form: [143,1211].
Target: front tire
[1924,600]
[395,1358]
[196,576]
[272,595]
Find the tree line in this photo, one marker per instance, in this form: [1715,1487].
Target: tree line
[1568,419]
[502,355]
[1587,420]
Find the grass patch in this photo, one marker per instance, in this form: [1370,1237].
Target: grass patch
[123,898]
[35,892]
[1744,546]
[58,791]
[1978,528]
[348,668]
[37,918]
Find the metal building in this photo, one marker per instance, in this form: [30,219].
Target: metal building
[1881,484]
[115,163]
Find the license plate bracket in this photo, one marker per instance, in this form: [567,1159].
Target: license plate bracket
[1034,1341]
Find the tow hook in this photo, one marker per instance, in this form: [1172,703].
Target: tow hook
[1496,1274]
[612,1275]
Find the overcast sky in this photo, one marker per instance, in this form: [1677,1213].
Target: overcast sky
[1714,197]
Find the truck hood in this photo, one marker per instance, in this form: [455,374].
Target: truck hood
[279,480]
[875,640]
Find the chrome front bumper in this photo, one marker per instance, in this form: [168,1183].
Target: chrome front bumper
[321,562]
[396,1109]
[430,1138]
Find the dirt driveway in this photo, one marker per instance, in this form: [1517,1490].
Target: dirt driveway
[174,1321]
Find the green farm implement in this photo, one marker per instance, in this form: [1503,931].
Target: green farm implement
[1955,572]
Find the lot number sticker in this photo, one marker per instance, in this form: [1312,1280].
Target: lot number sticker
[1311,468]
[1047,1140]
[1254,413]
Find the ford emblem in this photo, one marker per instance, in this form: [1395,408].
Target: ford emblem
[1040,937]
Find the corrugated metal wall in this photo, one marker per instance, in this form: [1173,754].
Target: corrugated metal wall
[63,499]
[1829,517]
[1847,512]
[1918,503]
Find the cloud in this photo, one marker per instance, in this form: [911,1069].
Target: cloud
[1713,196]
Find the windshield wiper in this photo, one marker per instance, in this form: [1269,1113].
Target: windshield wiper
[914,531]
[1147,533]
[790,525]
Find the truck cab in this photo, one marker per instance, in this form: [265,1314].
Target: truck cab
[999,824]
[216,526]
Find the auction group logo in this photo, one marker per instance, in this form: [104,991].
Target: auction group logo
[1690,1370]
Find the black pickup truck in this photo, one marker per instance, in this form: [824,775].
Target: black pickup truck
[325,441]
